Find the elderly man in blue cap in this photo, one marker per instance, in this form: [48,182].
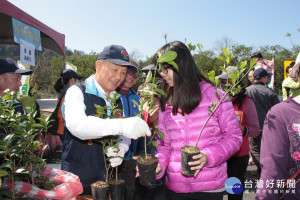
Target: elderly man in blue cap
[10,78]
[79,156]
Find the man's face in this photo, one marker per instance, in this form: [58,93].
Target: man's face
[109,75]
[130,80]
[290,73]
[265,80]
[10,81]
[250,76]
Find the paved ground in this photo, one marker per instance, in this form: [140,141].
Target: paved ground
[143,193]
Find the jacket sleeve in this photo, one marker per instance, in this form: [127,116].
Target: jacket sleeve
[291,84]
[230,139]
[252,119]
[163,151]
[274,156]
[86,127]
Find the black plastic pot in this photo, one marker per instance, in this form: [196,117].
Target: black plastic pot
[147,169]
[99,192]
[117,189]
[187,153]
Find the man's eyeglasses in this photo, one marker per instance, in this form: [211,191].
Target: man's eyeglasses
[165,70]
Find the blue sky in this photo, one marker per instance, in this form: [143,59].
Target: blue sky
[139,25]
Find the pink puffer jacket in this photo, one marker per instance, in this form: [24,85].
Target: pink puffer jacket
[220,139]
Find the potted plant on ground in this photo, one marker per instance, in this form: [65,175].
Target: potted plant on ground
[187,152]
[21,151]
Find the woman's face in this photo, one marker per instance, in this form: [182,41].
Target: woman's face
[167,75]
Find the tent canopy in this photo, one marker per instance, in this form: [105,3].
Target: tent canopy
[148,67]
[50,38]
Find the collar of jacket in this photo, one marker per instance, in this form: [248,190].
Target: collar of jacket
[131,91]
[258,83]
[92,87]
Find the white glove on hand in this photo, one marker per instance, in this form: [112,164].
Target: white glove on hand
[135,127]
[115,155]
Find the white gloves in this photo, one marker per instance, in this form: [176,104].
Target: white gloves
[115,155]
[134,127]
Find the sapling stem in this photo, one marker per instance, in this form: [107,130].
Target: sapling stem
[221,100]
[116,173]
[146,147]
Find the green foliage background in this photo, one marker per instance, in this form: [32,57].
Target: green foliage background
[49,64]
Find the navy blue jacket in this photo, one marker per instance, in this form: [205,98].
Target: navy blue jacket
[79,157]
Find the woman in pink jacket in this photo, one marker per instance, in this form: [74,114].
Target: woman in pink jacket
[183,112]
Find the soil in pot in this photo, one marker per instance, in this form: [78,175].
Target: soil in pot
[117,189]
[99,190]
[187,153]
[147,167]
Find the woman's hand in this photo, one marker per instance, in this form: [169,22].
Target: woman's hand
[201,160]
[157,171]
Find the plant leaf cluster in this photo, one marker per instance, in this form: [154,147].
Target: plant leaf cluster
[109,112]
[21,149]
[231,89]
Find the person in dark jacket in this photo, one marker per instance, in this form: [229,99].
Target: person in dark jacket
[264,99]
[10,78]
[67,78]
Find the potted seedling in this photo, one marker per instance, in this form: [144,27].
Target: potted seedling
[147,163]
[113,187]
[21,151]
[187,152]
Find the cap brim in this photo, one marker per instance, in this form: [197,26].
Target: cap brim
[130,66]
[223,76]
[80,77]
[22,71]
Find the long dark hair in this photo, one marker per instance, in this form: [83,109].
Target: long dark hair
[240,96]
[60,84]
[186,93]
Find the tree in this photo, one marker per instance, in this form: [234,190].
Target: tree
[224,42]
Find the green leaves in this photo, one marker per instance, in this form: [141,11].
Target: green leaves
[20,146]
[168,57]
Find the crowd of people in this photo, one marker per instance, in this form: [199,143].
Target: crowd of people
[252,123]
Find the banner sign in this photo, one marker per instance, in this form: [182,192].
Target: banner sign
[286,64]
[24,89]
[27,33]
[71,66]
[27,53]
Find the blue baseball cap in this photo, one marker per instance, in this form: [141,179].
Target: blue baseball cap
[118,55]
[8,66]
[261,72]
[68,73]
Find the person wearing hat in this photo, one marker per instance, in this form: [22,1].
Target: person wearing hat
[141,87]
[67,78]
[280,154]
[290,88]
[246,112]
[10,78]
[126,171]
[80,155]
[264,99]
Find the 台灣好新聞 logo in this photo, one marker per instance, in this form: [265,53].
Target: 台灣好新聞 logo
[233,185]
